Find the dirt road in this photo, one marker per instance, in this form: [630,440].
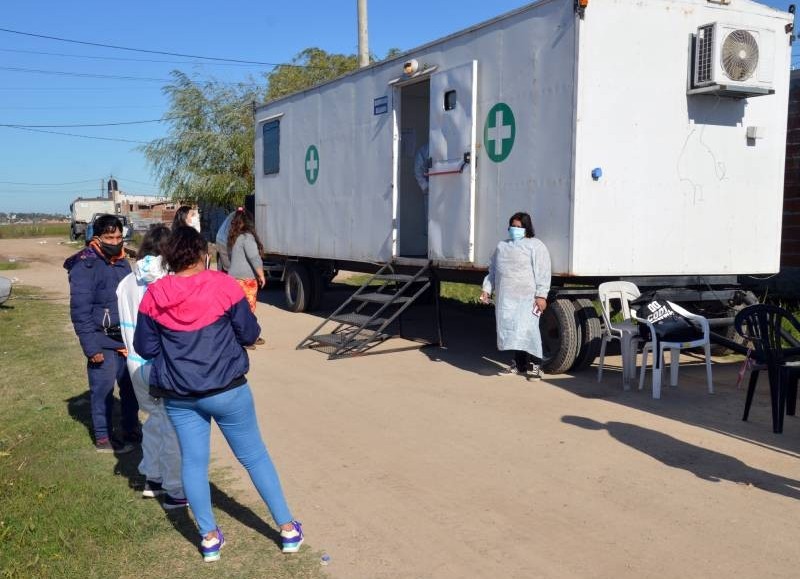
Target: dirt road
[425,463]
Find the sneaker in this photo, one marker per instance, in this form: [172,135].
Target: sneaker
[260,342]
[210,547]
[250,347]
[171,502]
[107,445]
[511,370]
[535,373]
[152,489]
[292,539]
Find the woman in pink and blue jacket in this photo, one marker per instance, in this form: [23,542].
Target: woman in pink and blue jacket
[194,325]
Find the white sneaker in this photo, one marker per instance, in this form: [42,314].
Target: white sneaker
[535,373]
[511,370]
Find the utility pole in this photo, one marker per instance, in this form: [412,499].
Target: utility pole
[363,35]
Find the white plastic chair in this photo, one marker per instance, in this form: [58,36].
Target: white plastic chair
[626,331]
[675,352]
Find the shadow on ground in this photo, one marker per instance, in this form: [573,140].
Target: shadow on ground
[701,462]
[469,345]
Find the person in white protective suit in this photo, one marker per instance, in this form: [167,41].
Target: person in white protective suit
[161,455]
[519,277]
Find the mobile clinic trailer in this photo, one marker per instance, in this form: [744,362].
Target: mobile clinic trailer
[646,139]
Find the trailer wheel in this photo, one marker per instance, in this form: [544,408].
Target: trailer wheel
[559,336]
[590,334]
[297,287]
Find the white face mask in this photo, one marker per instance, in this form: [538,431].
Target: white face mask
[194,221]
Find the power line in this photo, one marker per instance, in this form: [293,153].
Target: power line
[48,184]
[122,58]
[80,136]
[82,74]
[85,125]
[88,88]
[97,107]
[149,51]
[116,77]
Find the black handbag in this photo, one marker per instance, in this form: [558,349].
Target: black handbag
[668,324]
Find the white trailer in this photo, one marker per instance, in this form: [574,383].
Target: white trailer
[645,138]
[83,210]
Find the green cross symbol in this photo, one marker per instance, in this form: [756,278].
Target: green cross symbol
[312,164]
[499,132]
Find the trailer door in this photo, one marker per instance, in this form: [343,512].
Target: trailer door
[451,178]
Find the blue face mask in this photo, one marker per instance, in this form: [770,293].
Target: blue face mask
[516,233]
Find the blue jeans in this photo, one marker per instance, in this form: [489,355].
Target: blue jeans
[235,415]
[101,393]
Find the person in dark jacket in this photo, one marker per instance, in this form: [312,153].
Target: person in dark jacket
[94,274]
[193,326]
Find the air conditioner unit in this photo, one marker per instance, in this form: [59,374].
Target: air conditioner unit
[732,61]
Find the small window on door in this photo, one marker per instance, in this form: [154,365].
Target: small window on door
[271,144]
[450,100]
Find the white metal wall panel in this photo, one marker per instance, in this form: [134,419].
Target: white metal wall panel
[451,193]
[527,62]
[682,190]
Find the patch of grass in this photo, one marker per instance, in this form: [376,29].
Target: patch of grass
[17,230]
[66,511]
[466,293]
[9,265]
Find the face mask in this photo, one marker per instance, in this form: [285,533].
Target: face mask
[111,249]
[516,233]
[195,222]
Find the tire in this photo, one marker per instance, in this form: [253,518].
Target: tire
[590,334]
[297,289]
[559,336]
[72,235]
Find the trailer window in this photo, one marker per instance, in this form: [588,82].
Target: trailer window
[271,142]
[450,100]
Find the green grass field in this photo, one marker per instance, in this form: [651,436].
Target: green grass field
[461,292]
[66,511]
[16,230]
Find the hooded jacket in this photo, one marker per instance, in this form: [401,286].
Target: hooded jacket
[193,329]
[129,295]
[93,282]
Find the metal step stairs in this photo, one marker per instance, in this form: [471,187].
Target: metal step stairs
[362,321]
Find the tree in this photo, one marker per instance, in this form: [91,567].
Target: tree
[208,154]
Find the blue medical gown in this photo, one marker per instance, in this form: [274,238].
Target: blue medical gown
[518,273]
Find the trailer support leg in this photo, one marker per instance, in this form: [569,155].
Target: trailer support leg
[437,290]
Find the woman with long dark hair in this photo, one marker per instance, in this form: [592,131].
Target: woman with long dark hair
[193,326]
[245,250]
[519,277]
[186,216]
[161,458]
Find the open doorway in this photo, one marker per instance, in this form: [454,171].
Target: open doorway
[413,196]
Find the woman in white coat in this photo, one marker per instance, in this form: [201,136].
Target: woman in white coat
[161,456]
[519,277]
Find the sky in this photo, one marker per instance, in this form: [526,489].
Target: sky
[50,82]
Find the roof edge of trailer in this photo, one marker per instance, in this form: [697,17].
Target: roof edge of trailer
[404,55]
[765,11]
